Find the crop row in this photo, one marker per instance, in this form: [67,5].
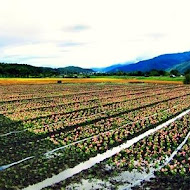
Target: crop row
[51,95]
[63,91]
[59,101]
[176,174]
[92,114]
[154,149]
[120,102]
[31,142]
[33,89]
[148,153]
[34,144]
[17,90]
[42,167]
[64,125]
[72,98]
[138,118]
[71,122]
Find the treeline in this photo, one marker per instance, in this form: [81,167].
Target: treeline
[153,72]
[23,70]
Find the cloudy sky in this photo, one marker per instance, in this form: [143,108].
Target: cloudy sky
[91,33]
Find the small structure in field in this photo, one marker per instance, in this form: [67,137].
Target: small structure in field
[172,76]
[59,82]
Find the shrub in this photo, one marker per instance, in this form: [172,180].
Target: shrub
[187,79]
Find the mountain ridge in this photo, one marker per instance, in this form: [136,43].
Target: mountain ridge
[161,62]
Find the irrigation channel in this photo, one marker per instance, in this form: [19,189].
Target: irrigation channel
[109,153]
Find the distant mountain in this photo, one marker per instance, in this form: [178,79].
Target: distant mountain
[107,69]
[23,70]
[73,70]
[162,62]
[181,67]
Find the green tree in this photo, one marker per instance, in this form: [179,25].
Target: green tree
[187,71]
[175,72]
[154,72]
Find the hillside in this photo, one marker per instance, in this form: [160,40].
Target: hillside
[162,62]
[23,70]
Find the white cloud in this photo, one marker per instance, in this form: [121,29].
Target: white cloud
[91,33]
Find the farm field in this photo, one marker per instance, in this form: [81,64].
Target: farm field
[93,79]
[146,79]
[93,135]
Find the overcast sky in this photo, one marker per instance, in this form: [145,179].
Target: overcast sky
[91,33]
